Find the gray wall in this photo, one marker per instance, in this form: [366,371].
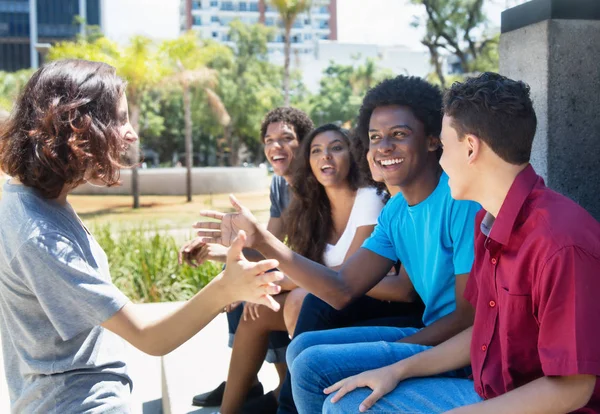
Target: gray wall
[559,60]
[171,181]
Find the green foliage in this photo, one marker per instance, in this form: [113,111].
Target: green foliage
[11,84]
[143,265]
[342,89]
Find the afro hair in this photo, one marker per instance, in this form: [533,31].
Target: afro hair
[298,119]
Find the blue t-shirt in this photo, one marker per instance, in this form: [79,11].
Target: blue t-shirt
[434,242]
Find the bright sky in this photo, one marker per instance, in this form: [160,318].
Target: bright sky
[389,21]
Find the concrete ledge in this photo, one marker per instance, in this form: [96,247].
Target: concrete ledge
[536,11]
[200,365]
[171,181]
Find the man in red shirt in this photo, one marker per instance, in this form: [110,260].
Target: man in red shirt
[535,343]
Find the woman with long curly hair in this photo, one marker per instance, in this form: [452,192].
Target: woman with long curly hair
[330,215]
[60,310]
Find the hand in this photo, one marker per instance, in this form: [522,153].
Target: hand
[381,381]
[231,307]
[228,225]
[196,252]
[251,311]
[247,281]
[286,284]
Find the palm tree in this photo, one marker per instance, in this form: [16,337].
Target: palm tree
[288,12]
[187,64]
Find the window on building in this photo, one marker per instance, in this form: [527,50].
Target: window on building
[307,36]
[215,35]
[253,6]
[243,6]
[196,5]
[214,3]
[269,21]
[227,5]
[324,24]
[197,21]
[215,19]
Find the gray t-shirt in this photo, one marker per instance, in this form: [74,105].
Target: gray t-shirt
[280,196]
[55,291]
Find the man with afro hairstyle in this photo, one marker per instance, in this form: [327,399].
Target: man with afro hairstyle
[422,226]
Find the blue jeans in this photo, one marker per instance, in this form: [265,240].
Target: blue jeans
[414,396]
[319,359]
[316,315]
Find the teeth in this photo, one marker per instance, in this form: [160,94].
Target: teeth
[326,167]
[278,157]
[393,161]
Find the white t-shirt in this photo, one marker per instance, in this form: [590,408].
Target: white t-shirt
[365,211]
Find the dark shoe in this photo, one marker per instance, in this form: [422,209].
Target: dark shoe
[265,404]
[215,397]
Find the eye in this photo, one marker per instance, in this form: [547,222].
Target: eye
[374,137]
[268,141]
[338,148]
[399,134]
[315,151]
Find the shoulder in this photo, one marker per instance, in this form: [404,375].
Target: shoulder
[369,195]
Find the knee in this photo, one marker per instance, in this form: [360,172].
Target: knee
[307,366]
[292,307]
[300,344]
[334,408]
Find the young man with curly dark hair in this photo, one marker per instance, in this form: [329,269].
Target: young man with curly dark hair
[281,132]
[422,226]
[534,283]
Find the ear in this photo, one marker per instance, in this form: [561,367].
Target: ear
[474,147]
[433,143]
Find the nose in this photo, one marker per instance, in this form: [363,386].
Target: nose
[327,155]
[385,146]
[132,136]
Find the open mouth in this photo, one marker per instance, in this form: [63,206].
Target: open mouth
[390,163]
[327,169]
[278,159]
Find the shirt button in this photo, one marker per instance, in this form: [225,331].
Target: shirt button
[494,261]
[484,348]
[492,303]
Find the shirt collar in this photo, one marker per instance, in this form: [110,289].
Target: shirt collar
[518,193]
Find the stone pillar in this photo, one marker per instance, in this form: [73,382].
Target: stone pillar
[554,46]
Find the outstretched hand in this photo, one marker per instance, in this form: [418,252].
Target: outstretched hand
[249,281]
[228,225]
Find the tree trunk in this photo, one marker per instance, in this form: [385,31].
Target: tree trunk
[435,60]
[189,153]
[135,156]
[286,64]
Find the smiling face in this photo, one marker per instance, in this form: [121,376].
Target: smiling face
[330,159]
[399,145]
[281,144]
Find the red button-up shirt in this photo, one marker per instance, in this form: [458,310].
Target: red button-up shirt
[535,287]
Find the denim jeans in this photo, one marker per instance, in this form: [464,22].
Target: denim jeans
[316,315]
[319,359]
[431,395]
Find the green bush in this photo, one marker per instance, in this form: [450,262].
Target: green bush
[143,264]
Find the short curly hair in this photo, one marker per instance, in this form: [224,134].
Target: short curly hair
[423,98]
[496,109]
[297,118]
[65,128]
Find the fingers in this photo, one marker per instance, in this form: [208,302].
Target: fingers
[235,251]
[254,312]
[270,278]
[235,203]
[209,233]
[266,265]
[269,302]
[344,387]
[273,289]
[369,401]
[207,225]
[212,214]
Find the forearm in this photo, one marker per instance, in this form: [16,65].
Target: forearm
[448,356]
[161,336]
[394,289]
[442,329]
[317,279]
[547,395]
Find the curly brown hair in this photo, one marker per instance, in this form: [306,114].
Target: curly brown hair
[64,128]
[308,222]
[292,116]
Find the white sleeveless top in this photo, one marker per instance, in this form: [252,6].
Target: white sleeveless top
[365,211]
